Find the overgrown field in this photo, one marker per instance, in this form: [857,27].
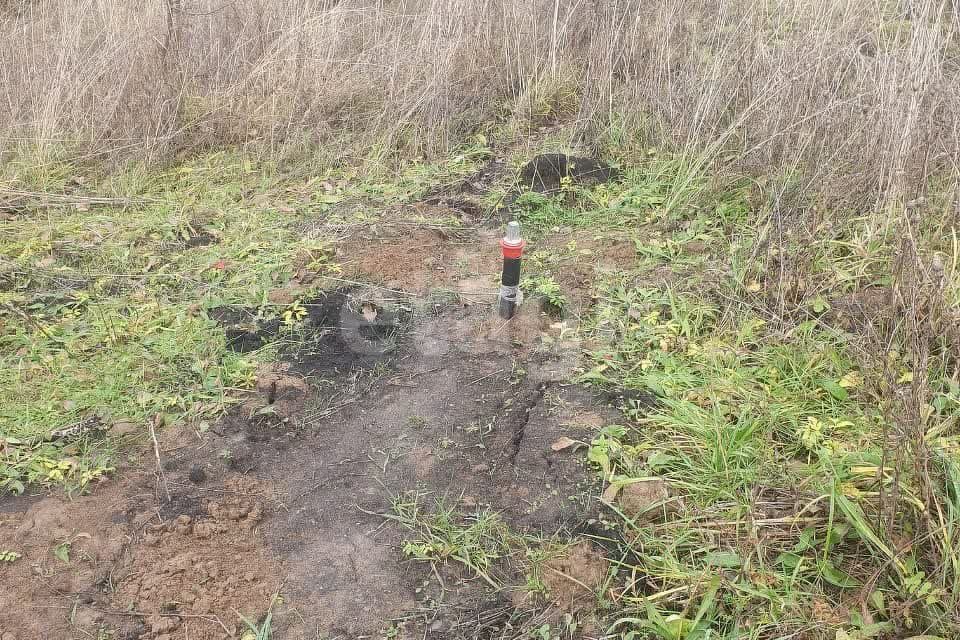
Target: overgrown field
[787,322]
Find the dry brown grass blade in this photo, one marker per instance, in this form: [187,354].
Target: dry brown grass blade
[15,200]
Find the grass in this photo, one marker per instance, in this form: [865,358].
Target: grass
[819,103]
[752,405]
[481,542]
[784,436]
[772,429]
[791,175]
[476,541]
[646,192]
[742,413]
[104,310]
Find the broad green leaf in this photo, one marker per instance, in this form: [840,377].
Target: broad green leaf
[835,576]
[806,541]
[789,560]
[62,552]
[834,389]
[725,559]
[659,459]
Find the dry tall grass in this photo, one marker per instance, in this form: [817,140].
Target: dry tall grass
[854,97]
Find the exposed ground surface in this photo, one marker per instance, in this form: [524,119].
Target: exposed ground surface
[305,420]
[463,409]
[383,395]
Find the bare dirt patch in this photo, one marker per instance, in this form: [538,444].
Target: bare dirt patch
[469,413]
[467,261]
[145,568]
[572,579]
[419,260]
[581,256]
[210,565]
[455,420]
[280,393]
[374,398]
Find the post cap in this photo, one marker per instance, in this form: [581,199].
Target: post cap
[513,233]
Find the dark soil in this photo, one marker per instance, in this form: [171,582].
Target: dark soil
[345,331]
[341,331]
[453,422]
[201,239]
[244,329]
[544,172]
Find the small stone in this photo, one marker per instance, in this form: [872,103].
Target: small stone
[250,576]
[8,636]
[124,427]
[163,624]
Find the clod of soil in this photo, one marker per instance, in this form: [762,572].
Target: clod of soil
[646,501]
[207,565]
[544,172]
[197,475]
[573,578]
[141,570]
[286,395]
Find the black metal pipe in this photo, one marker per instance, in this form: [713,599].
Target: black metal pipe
[509,287]
[511,247]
